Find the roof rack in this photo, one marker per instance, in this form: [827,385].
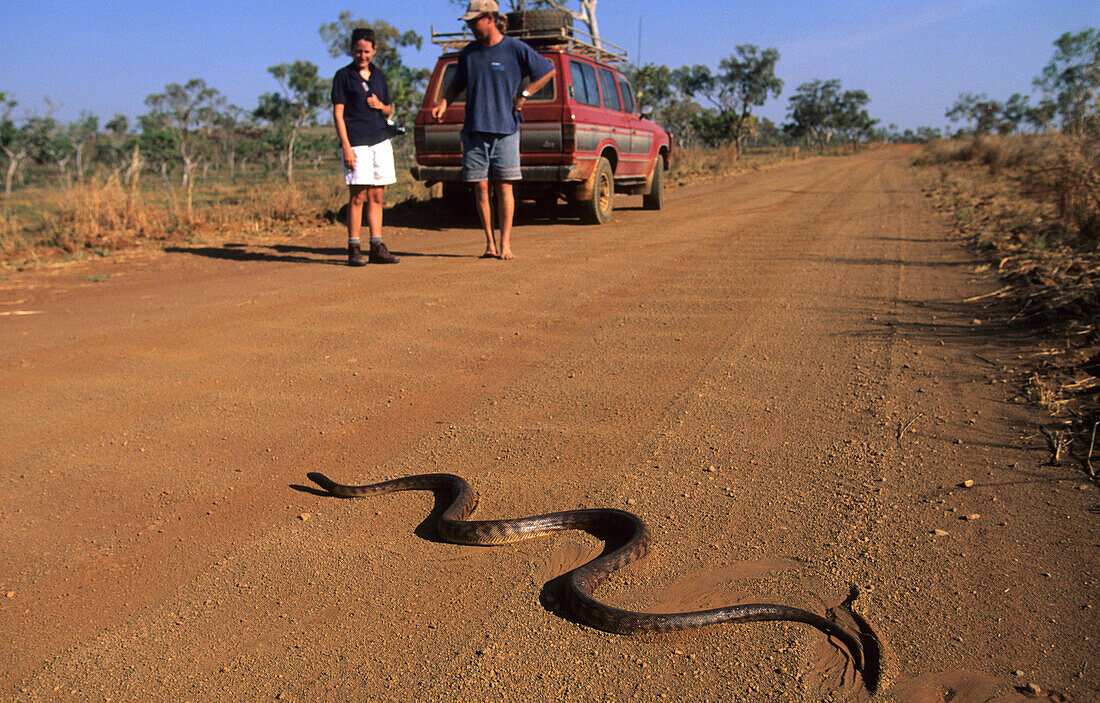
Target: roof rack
[569,39]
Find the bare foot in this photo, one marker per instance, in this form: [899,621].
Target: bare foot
[507,254]
[489,254]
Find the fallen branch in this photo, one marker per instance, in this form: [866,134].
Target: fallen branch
[988,295]
[1088,459]
[902,429]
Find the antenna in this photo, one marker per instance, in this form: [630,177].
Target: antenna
[638,56]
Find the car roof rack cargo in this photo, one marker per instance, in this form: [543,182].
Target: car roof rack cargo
[571,39]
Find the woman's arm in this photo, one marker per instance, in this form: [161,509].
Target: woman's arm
[342,133]
[376,104]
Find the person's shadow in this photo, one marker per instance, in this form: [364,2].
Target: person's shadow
[411,214]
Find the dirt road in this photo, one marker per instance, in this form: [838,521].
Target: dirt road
[777,372]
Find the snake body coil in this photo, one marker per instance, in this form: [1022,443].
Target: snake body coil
[582,581]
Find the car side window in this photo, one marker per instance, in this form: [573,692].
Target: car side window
[445,82]
[627,93]
[584,84]
[610,95]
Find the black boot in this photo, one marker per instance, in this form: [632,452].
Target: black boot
[379,254]
[355,256]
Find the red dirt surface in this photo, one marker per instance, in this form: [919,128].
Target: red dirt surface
[778,372]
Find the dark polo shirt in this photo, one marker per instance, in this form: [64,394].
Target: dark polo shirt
[366,126]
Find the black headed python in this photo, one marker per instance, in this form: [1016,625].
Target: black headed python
[582,581]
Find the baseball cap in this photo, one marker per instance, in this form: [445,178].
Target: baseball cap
[477,8]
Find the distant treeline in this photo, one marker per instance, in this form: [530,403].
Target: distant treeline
[190,130]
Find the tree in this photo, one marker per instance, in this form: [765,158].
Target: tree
[305,92]
[406,84]
[184,114]
[768,134]
[981,114]
[852,119]
[52,146]
[586,14]
[652,83]
[125,150]
[231,126]
[1072,79]
[1042,115]
[819,111]
[1013,113]
[81,135]
[14,141]
[744,81]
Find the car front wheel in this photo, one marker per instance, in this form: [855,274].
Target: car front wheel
[655,197]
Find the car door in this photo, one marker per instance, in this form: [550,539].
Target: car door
[618,122]
[592,131]
[641,135]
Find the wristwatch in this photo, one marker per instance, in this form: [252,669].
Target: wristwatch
[524,94]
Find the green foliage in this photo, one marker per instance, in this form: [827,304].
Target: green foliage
[182,116]
[653,84]
[981,114]
[743,82]
[820,111]
[51,143]
[305,93]
[1072,79]
[1071,83]
[186,108]
[118,125]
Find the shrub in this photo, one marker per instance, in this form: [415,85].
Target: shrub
[1075,180]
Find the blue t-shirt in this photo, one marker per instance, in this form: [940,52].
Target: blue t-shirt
[491,76]
[366,126]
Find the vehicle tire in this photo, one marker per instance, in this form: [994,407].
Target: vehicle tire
[597,210]
[655,197]
[539,20]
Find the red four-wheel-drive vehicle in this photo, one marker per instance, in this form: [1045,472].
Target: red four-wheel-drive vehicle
[583,136]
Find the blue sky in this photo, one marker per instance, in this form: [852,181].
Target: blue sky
[913,57]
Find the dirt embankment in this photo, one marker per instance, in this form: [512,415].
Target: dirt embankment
[777,372]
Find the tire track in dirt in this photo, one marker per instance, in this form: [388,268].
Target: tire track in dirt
[735,328]
[189,342]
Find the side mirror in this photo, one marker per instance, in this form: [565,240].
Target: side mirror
[647,111]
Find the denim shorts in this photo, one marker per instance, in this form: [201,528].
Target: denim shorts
[490,156]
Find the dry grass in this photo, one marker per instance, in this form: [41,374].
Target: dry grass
[695,163]
[1031,205]
[42,225]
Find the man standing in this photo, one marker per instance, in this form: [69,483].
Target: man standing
[491,70]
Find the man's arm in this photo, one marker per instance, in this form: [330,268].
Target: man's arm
[534,87]
[449,96]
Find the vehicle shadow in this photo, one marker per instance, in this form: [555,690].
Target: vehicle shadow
[437,215]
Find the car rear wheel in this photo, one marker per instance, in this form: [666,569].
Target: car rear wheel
[597,209]
[655,197]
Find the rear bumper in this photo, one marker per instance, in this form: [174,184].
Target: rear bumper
[453,174]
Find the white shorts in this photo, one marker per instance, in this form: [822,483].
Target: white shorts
[373,166]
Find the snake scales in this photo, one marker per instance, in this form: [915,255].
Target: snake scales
[582,581]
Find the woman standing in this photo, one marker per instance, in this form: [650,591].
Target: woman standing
[360,107]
